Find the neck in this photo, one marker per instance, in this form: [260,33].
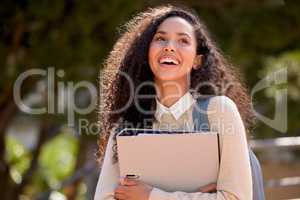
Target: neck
[169,92]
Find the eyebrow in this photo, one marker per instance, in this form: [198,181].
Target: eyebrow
[178,33]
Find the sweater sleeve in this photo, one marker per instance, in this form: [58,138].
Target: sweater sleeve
[234,179]
[109,175]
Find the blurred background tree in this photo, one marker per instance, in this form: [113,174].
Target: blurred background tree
[42,158]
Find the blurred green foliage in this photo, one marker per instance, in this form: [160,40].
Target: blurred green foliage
[18,157]
[57,161]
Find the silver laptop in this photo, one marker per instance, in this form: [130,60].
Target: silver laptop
[172,161]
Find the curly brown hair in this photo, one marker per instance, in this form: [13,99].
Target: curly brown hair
[130,56]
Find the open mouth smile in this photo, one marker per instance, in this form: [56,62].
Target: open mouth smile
[168,61]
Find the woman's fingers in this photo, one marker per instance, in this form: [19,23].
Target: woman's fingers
[120,189]
[128,182]
[209,188]
[120,193]
[120,196]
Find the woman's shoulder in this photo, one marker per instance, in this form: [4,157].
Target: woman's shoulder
[218,106]
[217,102]
[222,100]
[223,115]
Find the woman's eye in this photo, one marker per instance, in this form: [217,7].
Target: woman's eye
[184,41]
[159,39]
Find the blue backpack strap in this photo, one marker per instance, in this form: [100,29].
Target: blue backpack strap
[200,118]
[201,123]
[257,177]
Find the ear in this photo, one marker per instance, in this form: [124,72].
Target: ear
[197,61]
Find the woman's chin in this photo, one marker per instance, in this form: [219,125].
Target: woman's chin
[169,77]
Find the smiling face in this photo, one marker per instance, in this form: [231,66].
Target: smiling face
[172,51]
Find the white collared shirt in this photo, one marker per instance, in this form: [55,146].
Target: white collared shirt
[177,109]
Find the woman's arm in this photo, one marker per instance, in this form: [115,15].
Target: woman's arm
[234,180]
[109,175]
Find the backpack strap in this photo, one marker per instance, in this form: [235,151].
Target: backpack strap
[201,123]
[257,177]
[200,118]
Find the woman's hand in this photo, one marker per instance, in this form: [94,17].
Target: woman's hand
[132,190]
[210,188]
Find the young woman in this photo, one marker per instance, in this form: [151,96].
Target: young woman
[170,48]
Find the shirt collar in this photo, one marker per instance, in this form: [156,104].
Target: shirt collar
[177,109]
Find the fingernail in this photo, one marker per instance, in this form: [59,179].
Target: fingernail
[122,180]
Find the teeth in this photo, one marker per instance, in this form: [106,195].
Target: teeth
[168,60]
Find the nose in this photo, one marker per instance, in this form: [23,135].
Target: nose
[169,46]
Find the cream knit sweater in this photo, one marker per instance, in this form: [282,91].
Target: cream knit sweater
[234,179]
